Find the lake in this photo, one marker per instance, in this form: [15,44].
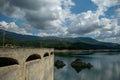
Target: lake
[106,66]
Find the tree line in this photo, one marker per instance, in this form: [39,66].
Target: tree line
[56,44]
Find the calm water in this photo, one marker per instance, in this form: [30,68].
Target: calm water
[106,66]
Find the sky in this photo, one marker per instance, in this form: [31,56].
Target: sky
[98,19]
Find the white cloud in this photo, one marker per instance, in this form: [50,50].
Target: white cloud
[90,23]
[12,27]
[110,31]
[41,14]
[54,18]
[3,24]
[84,23]
[106,3]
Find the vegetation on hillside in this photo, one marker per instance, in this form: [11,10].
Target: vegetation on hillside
[56,44]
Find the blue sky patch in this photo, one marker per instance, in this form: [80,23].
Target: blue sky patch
[111,11]
[83,6]
[5,18]
[8,19]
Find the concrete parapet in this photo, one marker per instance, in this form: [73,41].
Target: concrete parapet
[26,64]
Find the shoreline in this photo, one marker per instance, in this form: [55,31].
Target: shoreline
[100,50]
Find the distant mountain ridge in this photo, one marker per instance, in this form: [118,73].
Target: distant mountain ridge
[30,37]
[18,36]
[77,42]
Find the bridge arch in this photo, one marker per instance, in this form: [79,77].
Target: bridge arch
[7,61]
[33,57]
[46,54]
[51,53]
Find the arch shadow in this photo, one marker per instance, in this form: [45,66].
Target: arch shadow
[6,61]
[33,57]
[46,54]
[51,53]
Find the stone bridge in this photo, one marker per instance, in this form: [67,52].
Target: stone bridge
[26,64]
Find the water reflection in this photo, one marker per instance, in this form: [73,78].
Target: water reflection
[79,65]
[59,64]
[106,67]
[78,69]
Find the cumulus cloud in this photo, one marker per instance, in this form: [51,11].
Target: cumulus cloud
[42,14]
[12,27]
[106,3]
[80,23]
[54,18]
[91,23]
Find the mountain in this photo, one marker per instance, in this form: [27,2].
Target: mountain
[18,36]
[30,37]
[57,42]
